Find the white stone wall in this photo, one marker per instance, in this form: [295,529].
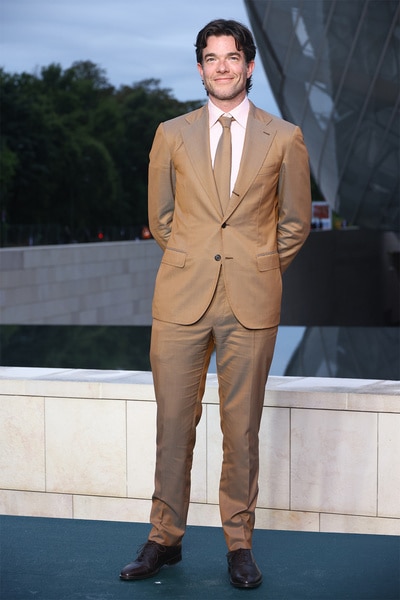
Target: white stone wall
[81,444]
[107,283]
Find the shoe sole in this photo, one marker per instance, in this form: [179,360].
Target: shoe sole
[246,585]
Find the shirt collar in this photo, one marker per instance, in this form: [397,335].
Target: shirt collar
[240,113]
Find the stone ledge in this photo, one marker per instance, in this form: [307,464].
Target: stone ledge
[292,392]
[81,444]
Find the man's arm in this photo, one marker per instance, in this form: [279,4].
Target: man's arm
[294,208]
[161,189]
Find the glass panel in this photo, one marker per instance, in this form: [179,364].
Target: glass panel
[354,352]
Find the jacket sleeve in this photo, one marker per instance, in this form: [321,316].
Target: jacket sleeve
[161,189]
[294,200]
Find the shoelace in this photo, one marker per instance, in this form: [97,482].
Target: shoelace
[149,547]
[241,556]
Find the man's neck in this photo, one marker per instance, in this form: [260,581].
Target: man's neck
[229,104]
[224,106]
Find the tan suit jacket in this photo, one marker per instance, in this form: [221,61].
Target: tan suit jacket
[266,222]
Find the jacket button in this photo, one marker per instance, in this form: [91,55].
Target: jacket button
[223,225]
[217,257]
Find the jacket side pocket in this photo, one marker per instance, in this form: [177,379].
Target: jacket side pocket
[174,258]
[266,262]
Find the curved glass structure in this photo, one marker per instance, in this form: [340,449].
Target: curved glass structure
[334,69]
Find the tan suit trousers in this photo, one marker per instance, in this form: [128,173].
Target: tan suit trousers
[180,356]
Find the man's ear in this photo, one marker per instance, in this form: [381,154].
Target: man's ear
[250,68]
[200,70]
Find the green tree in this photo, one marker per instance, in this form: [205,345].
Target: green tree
[143,107]
[74,150]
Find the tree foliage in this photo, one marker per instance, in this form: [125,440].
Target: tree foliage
[74,149]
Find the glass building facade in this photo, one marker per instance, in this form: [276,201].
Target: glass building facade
[334,69]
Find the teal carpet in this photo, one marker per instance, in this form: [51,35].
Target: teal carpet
[61,559]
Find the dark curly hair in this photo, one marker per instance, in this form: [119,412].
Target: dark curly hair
[242,35]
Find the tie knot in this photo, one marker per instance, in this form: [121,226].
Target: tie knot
[225,121]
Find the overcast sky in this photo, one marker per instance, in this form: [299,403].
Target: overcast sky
[131,39]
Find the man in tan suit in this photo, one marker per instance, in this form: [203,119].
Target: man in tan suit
[219,286]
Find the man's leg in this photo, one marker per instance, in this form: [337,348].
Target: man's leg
[243,357]
[243,360]
[179,358]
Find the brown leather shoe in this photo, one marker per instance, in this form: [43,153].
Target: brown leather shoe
[243,569]
[151,558]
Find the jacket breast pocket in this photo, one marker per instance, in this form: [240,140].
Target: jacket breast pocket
[174,258]
[266,262]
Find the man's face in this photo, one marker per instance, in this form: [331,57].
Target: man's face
[224,70]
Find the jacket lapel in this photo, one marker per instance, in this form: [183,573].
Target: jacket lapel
[257,142]
[196,138]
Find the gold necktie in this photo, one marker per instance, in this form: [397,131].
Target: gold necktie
[222,162]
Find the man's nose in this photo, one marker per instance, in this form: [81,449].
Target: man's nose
[222,66]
